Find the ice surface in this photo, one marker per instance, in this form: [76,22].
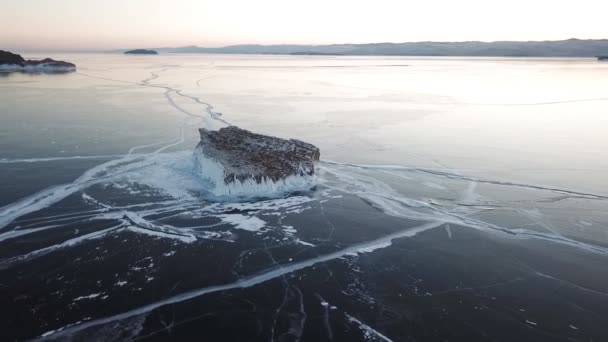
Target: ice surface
[42,67]
[170,197]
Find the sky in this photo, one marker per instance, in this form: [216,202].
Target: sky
[118,24]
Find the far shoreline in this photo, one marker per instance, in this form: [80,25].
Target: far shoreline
[68,52]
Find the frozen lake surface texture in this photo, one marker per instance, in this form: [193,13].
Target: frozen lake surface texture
[456,199]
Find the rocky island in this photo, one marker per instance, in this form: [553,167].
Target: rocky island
[602,58]
[13,62]
[141,52]
[240,163]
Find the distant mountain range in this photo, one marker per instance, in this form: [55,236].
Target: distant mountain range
[560,48]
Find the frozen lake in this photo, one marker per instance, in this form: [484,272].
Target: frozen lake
[456,199]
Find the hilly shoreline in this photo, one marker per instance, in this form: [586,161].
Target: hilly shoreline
[559,48]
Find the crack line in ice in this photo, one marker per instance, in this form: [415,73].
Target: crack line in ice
[539,103]
[140,147]
[367,330]
[209,108]
[64,221]
[394,204]
[374,191]
[213,114]
[463,177]
[19,232]
[582,288]
[54,194]
[144,226]
[251,280]
[68,243]
[388,200]
[36,160]
[51,195]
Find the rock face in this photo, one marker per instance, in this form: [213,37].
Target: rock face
[14,62]
[141,52]
[239,162]
[10,58]
[49,62]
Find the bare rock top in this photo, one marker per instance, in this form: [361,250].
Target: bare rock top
[249,156]
[7,57]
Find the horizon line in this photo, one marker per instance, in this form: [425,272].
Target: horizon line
[309,44]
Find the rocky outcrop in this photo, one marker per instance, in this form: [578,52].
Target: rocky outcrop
[14,62]
[141,52]
[602,58]
[239,162]
[50,63]
[7,57]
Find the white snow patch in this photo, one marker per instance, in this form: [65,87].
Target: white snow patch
[305,243]
[169,174]
[272,214]
[289,229]
[249,223]
[91,296]
[298,210]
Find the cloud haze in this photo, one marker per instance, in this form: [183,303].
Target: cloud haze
[109,24]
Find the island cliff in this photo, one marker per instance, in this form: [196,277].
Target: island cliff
[141,52]
[13,62]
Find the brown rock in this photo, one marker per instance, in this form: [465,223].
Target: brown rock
[246,155]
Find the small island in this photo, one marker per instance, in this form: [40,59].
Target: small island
[13,62]
[602,58]
[239,163]
[141,52]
